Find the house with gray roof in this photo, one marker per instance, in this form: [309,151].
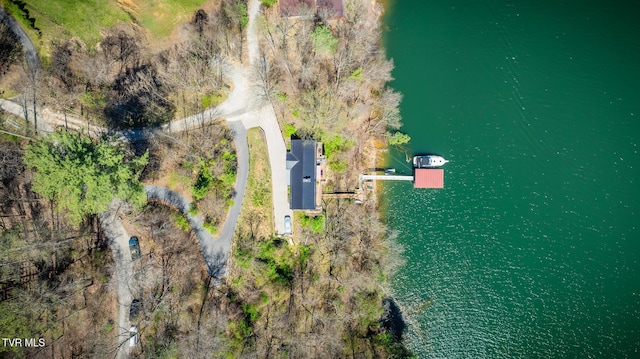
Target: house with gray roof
[302,165]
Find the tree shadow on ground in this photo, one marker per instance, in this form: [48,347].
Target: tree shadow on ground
[138,98]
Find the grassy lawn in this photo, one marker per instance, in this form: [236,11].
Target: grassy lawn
[62,19]
[160,17]
[258,202]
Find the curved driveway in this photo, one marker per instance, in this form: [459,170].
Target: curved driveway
[266,118]
[215,250]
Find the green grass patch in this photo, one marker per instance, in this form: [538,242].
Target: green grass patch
[261,193]
[333,146]
[263,298]
[10,138]
[61,19]
[304,252]
[160,17]
[397,138]
[172,180]
[7,93]
[243,258]
[244,15]
[58,20]
[237,282]
[281,96]
[258,198]
[251,312]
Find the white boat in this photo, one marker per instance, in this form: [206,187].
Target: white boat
[428,161]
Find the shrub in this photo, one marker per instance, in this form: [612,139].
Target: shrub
[323,40]
[315,224]
[182,222]
[356,74]
[335,144]
[268,3]
[289,129]
[338,166]
[211,228]
[203,184]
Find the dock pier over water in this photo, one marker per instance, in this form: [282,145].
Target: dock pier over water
[364,177]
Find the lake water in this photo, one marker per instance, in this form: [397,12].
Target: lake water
[532,249]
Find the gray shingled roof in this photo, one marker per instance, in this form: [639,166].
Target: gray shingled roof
[303,174]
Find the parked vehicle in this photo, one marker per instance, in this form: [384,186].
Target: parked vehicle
[133,339]
[134,309]
[134,247]
[287,225]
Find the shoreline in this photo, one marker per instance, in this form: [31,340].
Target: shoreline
[395,318]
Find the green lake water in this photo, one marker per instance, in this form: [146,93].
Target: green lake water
[532,249]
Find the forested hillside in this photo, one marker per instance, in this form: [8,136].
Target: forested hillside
[318,293]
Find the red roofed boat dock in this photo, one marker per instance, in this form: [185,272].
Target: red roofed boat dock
[422,178]
[425,173]
[428,178]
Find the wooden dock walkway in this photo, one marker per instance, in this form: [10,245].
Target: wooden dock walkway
[385,178]
[340,195]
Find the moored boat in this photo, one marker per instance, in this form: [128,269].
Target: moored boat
[428,161]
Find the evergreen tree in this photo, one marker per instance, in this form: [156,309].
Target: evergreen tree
[82,176]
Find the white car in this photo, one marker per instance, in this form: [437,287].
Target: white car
[287,224]
[133,339]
